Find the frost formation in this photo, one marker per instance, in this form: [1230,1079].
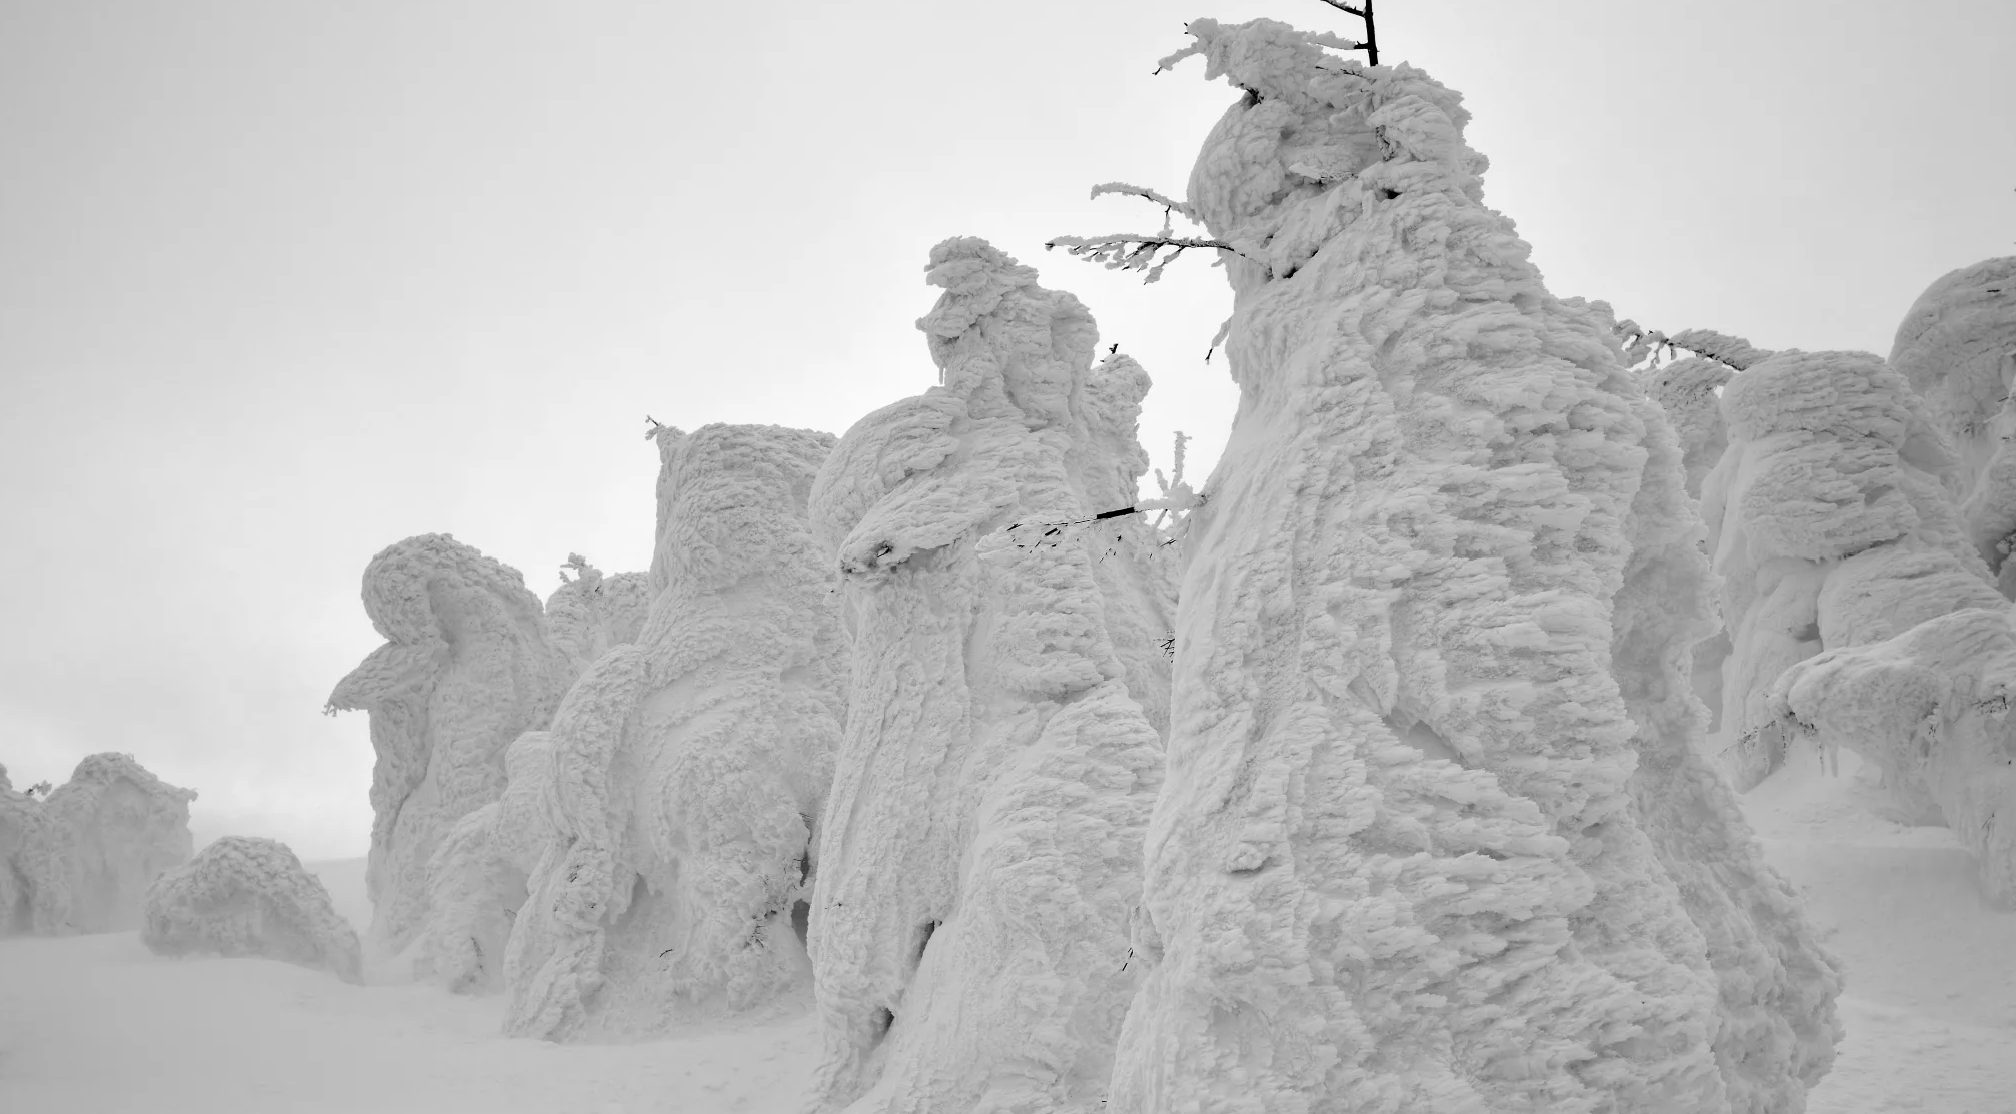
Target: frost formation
[1957,347]
[468,665]
[1436,836]
[687,769]
[1858,607]
[590,614]
[245,896]
[981,850]
[80,861]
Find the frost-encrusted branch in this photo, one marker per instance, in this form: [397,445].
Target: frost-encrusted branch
[1135,251]
[1641,343]
[1371,44]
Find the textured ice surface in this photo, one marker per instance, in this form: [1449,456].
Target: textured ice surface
[82,859]
[1435,837]
[589,614]
[245,896]
[1957,347]
[468,665]
[687,769]
[981,854]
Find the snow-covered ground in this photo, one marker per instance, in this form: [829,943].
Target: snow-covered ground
[97,1025]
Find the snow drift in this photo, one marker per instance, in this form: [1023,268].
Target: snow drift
[245,896]
[1957,348]
[468,665]
[981,850]
[81,860]
[687,768]
[589,614]
[1436,835]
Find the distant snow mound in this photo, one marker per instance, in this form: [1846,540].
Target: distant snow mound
[18,813]
[1435,835]
[245,896]
[84,857]
[468,666]
[981,854]
[687,768]
[591,613]
[1957,347]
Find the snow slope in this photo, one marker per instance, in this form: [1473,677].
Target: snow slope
[97,1025]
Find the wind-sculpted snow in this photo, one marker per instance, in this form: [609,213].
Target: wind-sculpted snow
[981,854]
[590,614]
[468,665]
[1434,838]
[687,768]
[1957,347]
[81,860]
[245,896]
[1857,606]
[1828,528]
[479,874]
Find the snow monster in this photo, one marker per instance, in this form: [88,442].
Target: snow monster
[982,845]
[1436,837]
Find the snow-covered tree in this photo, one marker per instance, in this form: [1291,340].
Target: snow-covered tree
[1437,835]
[591,613]
[468,665]
[687,768]
[1957,347]
[245,896]
[981,851]
[479,875]
[82,859]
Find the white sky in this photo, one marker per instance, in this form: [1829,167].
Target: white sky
[283,282]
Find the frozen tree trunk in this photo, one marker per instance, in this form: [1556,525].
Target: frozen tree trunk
[981,852]
[687,768]
[1832,477]
[1957,348]
[468,665]
[85,856]
[1687,390]
[245,896]
[1417,851]
[591,614]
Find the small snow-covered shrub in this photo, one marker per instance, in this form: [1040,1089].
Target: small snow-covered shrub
[245,896]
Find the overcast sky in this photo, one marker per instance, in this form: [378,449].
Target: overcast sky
[283,282]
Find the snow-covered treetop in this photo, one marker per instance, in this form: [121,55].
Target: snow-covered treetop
[1957,345]
[996,331]
[1313,121]
[407,580]
[100,770]
[730,499]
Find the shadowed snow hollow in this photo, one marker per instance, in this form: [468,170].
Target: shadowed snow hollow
[686,769]
[981,854]
[467,667]
[1436,837]
[245,896]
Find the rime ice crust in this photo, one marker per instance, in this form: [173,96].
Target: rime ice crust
[981,851]
[1859,609]
[1685,390]
[82,859]
[687,768]
[1426,699]
[591,614]
[245,896]
[1957,347]
[468,665]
